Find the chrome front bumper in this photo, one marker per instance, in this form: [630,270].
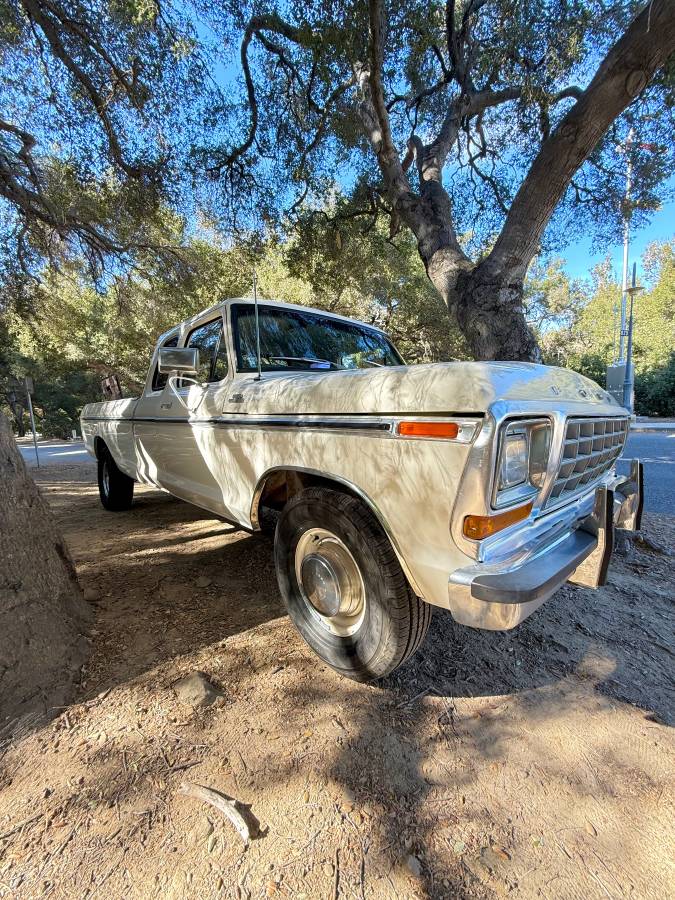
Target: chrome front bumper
[500,595]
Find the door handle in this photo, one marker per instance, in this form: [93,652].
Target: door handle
[166,405]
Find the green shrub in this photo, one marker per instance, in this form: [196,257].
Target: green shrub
[57,424]
[655,390]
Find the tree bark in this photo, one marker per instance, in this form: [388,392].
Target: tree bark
[488,310]
[486,297]
[43,616]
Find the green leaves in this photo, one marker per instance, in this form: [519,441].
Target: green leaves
[582,332]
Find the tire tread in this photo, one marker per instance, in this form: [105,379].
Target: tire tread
[409,616]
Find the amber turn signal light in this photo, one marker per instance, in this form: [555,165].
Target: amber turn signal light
[479,527]
[429,429]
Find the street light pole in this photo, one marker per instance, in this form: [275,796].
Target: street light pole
[623,333]
[629,377]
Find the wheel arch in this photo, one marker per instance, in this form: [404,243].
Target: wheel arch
[100,446]
[279,483]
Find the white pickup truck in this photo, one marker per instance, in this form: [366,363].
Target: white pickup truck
[477,487]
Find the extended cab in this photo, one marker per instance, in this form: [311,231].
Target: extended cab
[477,487]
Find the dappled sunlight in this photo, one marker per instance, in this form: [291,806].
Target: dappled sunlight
[489,763]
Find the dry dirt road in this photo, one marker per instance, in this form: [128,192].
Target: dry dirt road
[535,763]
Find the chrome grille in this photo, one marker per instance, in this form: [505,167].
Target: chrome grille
[591,448]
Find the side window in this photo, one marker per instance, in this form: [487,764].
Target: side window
[209,340]
[159,381]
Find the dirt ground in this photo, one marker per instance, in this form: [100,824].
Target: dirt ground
[534,763]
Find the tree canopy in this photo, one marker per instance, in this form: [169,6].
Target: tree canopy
[470,123]
[481,130]
[488,82]
[100,109]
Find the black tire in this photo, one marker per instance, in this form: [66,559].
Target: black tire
[393,621]
[115,489]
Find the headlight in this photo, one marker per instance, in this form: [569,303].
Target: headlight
[523,457]
[514,461]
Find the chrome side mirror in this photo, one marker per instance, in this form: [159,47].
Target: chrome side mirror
[178,361]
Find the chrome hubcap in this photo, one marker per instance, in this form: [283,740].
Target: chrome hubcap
[330,581]
[106,479]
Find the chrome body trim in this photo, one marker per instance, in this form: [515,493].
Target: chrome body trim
[597,512]
[384,425]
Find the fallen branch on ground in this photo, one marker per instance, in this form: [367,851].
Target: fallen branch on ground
[248,827]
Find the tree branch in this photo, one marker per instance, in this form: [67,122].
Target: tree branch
[36,13]
[626,70]
[256,28]
[461,107]
[386,147]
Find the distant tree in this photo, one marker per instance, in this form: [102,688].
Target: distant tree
[13,399]
[485,119]
[587,339]
[655,390]
[552,300]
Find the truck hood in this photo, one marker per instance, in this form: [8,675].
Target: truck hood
[434,388]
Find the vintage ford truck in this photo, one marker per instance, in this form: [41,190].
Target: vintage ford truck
[477,487]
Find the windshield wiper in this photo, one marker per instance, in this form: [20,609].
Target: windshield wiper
[371,362]
[304,359]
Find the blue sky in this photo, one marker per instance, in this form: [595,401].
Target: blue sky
[580,259]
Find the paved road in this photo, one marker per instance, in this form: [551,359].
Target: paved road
[54,452]
[657,452]
[655,449]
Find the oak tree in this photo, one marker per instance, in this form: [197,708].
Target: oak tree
[473,123]
[89,138]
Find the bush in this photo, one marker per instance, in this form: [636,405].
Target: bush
[57,424]
[655,390]
[593,366]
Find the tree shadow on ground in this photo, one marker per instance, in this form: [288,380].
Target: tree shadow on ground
[148,568]
[165,579]
[472,771]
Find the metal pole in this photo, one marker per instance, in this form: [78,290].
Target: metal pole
[629,377]
[257,324]
[626,242]
[32,425]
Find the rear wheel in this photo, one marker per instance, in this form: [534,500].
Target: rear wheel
[115,489]
[343,586]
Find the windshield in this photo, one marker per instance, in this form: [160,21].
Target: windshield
[302,341]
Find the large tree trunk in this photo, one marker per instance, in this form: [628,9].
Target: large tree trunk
[490,315]
[43,617]
[488,306]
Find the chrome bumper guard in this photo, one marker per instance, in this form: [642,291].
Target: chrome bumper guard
[500,597]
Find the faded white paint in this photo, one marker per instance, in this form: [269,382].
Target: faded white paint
[200,442]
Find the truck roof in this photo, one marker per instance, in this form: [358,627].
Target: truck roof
[266,301]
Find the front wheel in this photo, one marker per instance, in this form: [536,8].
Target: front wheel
[115,489]
[343,586]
